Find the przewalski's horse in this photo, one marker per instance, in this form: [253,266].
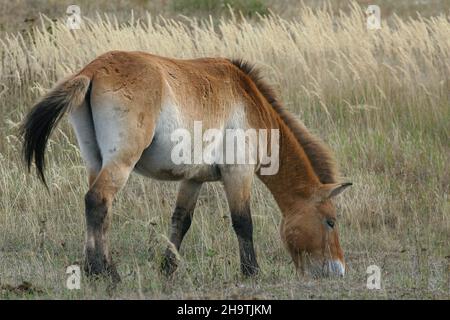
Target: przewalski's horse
[124,107]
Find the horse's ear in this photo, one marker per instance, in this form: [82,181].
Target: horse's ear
[331,190]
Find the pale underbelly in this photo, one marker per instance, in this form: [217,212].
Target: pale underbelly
[156,163]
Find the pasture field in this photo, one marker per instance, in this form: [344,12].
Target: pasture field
[380,99]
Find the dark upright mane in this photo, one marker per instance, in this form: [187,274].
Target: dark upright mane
[318,153]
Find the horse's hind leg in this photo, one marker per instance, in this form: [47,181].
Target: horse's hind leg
[181,221]
[98,201]
[122,132]
[237,181]
[81,120]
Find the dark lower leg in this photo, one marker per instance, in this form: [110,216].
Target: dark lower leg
[243,226]
[98,259]
[181,221]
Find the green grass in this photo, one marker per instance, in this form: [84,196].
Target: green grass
[247,7]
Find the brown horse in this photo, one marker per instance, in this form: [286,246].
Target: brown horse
[124,106]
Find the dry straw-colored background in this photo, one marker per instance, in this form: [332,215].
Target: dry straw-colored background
[380,99]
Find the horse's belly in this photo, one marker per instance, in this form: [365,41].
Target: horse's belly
[156,162]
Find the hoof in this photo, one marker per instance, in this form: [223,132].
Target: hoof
[249,270]
[169,264]
[101,268]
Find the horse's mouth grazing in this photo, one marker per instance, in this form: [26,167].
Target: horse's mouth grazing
[329,268]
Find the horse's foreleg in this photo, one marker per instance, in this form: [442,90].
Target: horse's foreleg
[237,182]
[181,221]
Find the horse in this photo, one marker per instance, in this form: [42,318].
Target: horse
[124,106]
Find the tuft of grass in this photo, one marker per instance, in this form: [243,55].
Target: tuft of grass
[379,99]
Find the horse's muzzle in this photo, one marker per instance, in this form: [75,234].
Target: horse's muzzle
[330,268]
[335,268]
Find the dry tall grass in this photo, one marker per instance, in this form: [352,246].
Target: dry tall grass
[380,99]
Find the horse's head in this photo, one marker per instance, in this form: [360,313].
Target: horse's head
[310,233]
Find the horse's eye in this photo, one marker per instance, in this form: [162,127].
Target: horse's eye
[330,223]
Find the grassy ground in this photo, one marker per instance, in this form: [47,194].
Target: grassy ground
[21,15]
[379,99]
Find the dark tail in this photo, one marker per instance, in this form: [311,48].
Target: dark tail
[45,115]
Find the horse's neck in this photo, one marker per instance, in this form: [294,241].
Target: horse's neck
[296,177]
